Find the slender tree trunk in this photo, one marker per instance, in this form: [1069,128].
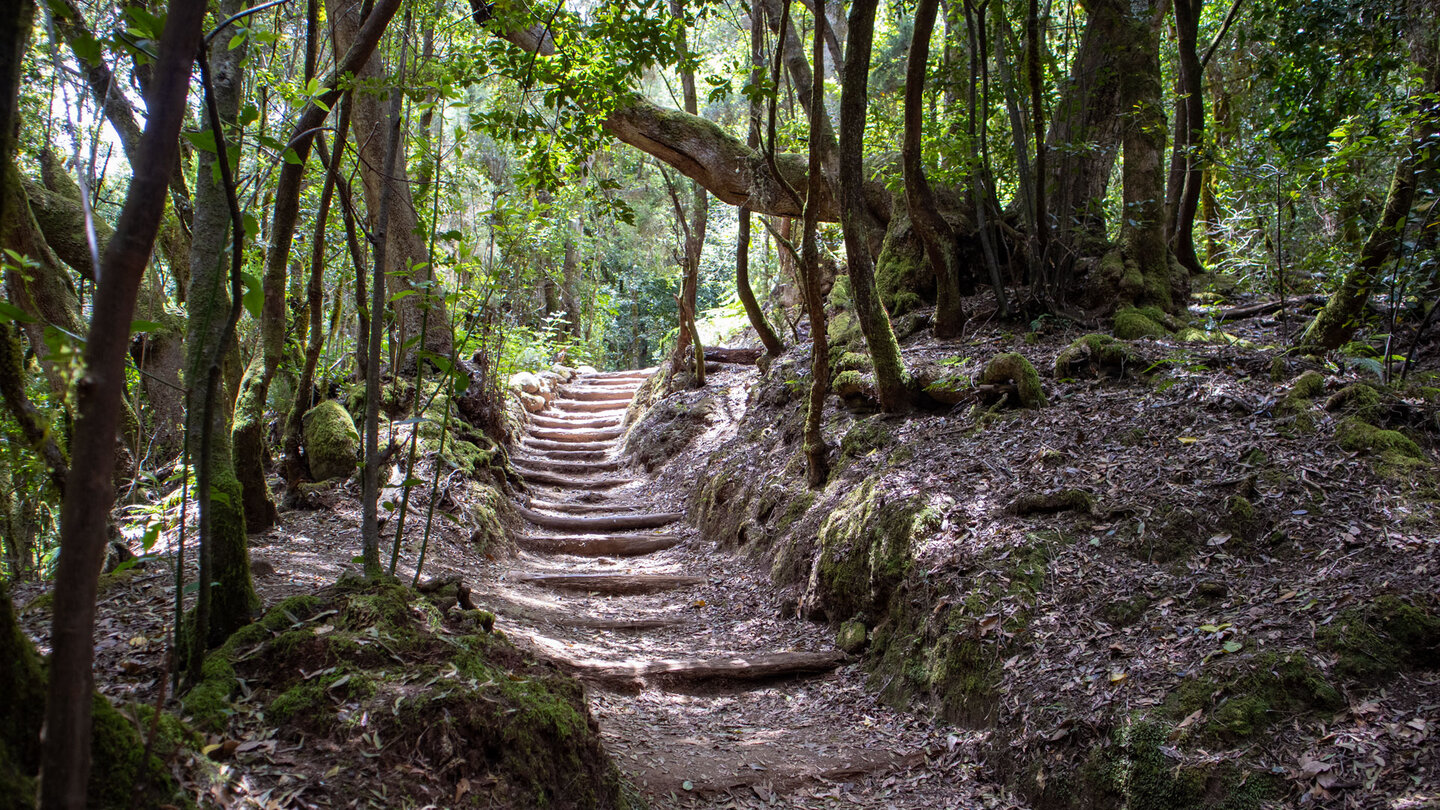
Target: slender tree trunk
[817,451]
[890,380]
[229,602]
[65,765]
[385,225]
[773,345]
[689,341]
[1034,67]
[934,232]
[408,260]
[1186,176]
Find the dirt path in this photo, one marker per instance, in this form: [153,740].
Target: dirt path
[704,695]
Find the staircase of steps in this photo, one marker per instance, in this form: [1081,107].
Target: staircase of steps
[583,513]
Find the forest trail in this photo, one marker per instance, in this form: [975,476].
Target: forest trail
[705,697]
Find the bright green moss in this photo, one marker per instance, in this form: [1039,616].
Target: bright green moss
[1013,367]
[1093,354]
[1133,324]
[1391,445]
[332,444]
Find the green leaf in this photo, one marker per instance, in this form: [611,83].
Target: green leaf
[1232,646]
[1209,628]
[254,298]
[204,140]
[143,326]
[292,158]
[9,312]
[412,482]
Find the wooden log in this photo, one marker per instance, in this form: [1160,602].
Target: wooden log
[599,545]
[546,444]
[579,422]
[525,464]
[631,374]
[569,618]
[582,508]
[1259,308]
[744,667]
[611,584]
[568,482]
[573,436]
[584,394]
[740,357]
[573,455]
[598,523]
[632,383]
[578,406]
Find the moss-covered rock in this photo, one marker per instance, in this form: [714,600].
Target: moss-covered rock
[864,437]
[1012,367]
[332,444]
[902,274]
[1133,323]
[1391,446]
[852,637]
[854,361]
[1360,400]
[1241,699]
[865,550]
[1295,403]
[1134,770]
[1384,637]
[1096,354]
[470,707]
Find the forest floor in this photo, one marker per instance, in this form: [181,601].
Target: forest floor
[664,670]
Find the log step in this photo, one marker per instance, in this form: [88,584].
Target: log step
[611,584]
[629,374]
[574,455]
[569,618]
[541,420]
[633,383]
[600,545]
[546,444]
[556,480]
[573,436]
[598,523]
[596,394]
[578,406]
[526,464]
[582,508]
[741,667]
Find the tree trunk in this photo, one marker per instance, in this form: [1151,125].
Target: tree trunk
[88,493]
[890,379]
[408,260]
[1183,192]
[934,232]
[689,340]
[817,451]
[232,597]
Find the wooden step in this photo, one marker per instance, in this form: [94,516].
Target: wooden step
[611,584]
[629,374]
[598,523]
[599,545]
[582,508]
[573,436]
[597,394]
[546,444]
[565,617]
[578,406]
[569,482]
[632,383]
[527,464]
[573,455]
[541,420]
[743,667]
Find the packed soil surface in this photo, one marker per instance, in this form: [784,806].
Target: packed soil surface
[712,690]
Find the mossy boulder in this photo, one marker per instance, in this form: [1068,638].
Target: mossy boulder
[1132,323]
[1386,636]
[1242,698]
[1360,400]
[444,691]
[1012,367]
[902,275]
[1095,355]
[1392,446]
[1132,769]
[1295,403]
[332,444]
[854,361]
[865,437]
[864,550]
[852,637]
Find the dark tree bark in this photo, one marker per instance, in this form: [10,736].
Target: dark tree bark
[688,345]
[89,494]
[817,451]
[933,230]
[773,345]
[1182,194]
[226,596]
[409,260]
[890,379]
